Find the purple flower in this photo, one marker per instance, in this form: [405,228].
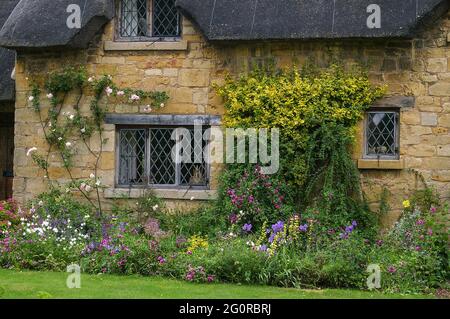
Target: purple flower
[247,228]
[210,278]
[278,226]
[263,248]
[354,223]
[418,248]
[379,242]
[251,199]
[303,228]
[420,222]
[233,218]
[391,269]
[430,232]
[161,260]
[433,210]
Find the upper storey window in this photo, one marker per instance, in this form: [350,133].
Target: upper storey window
[148,20]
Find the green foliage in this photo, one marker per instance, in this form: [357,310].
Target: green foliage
[316,112]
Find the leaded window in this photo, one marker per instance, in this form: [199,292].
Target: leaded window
[151,156]
[382,134]
[141,20]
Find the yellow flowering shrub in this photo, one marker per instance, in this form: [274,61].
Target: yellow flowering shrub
[197,241]
[297,103]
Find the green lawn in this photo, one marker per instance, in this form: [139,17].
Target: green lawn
[15,284]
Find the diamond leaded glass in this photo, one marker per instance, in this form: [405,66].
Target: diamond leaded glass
[134,18]
[137,166]
[195,173]
[162,167]
[381,134]
[166,20]
[132,157]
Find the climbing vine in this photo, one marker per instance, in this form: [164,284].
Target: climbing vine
[62,128]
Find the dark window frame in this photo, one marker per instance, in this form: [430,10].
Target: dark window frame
[150,26]
[380,156]
[178,166]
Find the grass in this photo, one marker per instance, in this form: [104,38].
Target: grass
[27,284]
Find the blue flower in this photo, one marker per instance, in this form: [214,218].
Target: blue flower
[247,228]
[303,228]
[278,226]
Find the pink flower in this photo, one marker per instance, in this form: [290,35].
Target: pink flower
[391,269]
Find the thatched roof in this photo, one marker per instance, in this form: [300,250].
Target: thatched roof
[307,19]
[43,24]
[7,57]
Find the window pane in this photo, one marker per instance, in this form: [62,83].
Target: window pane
[381,133]
[132,157]
[195,174]
[162,167]
[133,18]
[166,21]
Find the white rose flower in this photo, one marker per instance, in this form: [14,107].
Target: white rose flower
[91,79]
[92,176]
[68,144]
[120,93]
[31,98]
[49,96]
[83,130]
[108,91]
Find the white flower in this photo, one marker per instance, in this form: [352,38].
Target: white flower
[86,216]
[91,79]
[88,188]
[83,186]
[98,182]
[55,230]
[50,124]
[68,144]
[31,98]
[49,96]
[162,105]
[108,91]
[135,97]
[147,108]
[192,198]
[31,150]
[8,223]
[120,93]
[155,207]
[92,176]
[60,138]
[71,117]
[83,130]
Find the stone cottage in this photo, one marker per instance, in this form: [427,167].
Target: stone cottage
[183,47]
[7,97]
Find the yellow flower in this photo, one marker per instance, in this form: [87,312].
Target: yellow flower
[406,203]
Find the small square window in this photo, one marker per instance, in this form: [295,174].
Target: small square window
[148,20]
[382,135]
[145,158]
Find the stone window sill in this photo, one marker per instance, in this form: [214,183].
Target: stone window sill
[146,46]
[381,164]
[180,194]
